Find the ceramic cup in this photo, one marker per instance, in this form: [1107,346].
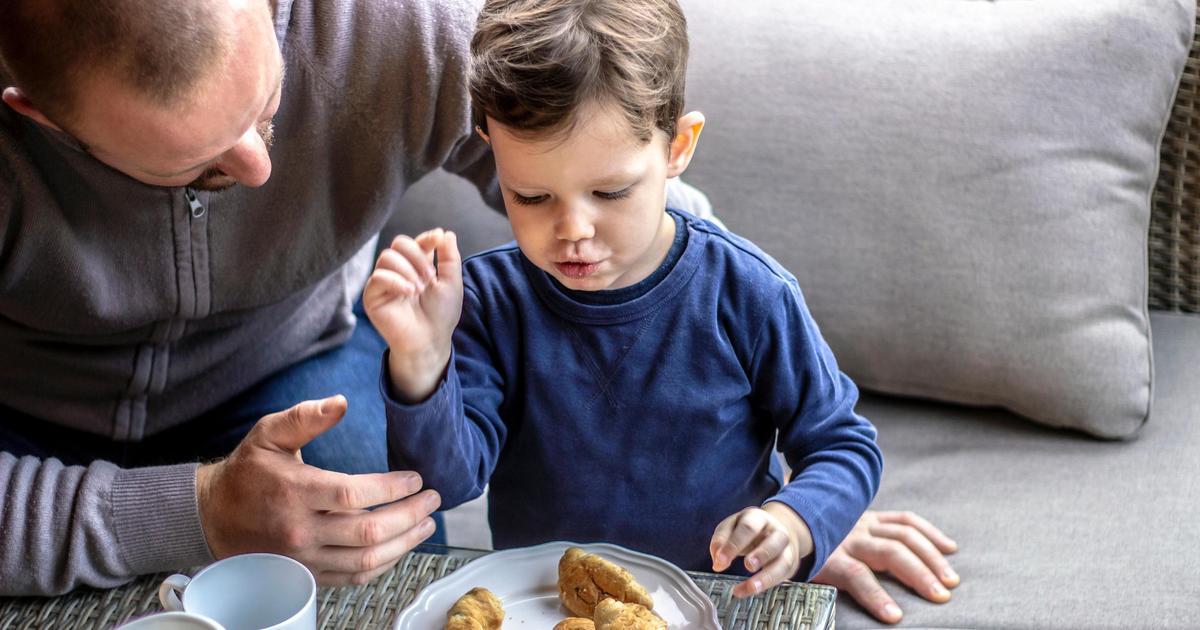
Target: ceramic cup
[172,621]
[255,591]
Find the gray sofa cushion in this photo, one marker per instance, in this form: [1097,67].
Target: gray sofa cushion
[1054,529]
[962,188]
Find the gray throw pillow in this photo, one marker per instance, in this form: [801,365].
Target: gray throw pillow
[961,187]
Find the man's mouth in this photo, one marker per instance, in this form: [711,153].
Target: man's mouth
[576,269]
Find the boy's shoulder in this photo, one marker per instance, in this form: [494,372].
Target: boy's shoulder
[497,268]
[739,259]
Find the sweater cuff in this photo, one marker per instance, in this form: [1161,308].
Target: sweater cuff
[156,517]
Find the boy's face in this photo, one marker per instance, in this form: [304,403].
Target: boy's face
[589,208]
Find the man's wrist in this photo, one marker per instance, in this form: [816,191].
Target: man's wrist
[205,476]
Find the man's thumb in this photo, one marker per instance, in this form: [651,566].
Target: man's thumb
[292,428]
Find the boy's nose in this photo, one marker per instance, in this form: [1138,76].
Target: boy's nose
[574,224]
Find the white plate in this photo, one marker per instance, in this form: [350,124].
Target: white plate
[526,581]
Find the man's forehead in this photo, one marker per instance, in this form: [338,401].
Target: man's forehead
[208,121]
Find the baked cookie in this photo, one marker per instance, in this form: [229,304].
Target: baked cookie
[614,615]
[575,623]
[585,579]
[479,609]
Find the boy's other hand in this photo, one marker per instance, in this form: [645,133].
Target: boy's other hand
[415,304]
[773,538]
[901,543]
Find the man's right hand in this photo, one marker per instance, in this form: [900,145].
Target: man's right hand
[263,497]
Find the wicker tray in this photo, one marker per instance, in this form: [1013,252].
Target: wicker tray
[789,606]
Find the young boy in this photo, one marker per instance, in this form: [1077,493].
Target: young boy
[623,371]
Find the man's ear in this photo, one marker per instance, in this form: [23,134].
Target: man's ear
[683,145]
[479,130]
[16,99]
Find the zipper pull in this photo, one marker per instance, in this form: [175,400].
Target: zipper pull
[194,202]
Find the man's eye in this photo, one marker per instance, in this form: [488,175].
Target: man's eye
[617,194]
[528,201]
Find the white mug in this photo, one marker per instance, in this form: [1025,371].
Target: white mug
[254,591]
[172,621]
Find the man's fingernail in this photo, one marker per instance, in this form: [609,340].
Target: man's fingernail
[427,527]
[892,610]
[939,590]
[752,564]
[412,482]
[432,501]
[949,574]
[756,585]
[326,405]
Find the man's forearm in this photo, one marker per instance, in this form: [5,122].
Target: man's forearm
[66,526]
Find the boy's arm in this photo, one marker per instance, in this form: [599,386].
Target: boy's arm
[454,437]
[831,449]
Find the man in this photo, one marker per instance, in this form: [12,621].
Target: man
[190,194]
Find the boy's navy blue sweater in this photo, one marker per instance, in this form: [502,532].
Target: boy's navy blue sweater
[642,423]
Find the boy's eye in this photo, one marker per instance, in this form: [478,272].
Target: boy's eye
[618,194]
[528,201]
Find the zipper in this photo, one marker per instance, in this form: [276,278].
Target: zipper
[194,202]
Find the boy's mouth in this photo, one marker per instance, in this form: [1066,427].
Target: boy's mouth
[576,269]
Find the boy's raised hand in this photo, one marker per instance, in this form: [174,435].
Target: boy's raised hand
[773,538]
[415,305]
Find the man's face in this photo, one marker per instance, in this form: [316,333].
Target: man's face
[588,209]
[217,139]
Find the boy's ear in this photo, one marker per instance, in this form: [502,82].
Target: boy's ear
[683,145]
[479,130]
[16,99]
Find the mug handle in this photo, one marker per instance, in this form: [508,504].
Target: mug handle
[171,590]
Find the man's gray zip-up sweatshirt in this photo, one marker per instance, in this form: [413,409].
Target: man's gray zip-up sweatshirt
[126,309]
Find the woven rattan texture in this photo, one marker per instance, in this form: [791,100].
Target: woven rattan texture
[792,606]
[1175,212]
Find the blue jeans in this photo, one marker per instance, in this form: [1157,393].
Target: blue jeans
[357,444]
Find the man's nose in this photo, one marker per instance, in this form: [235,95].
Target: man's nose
[248,161]
[574,223]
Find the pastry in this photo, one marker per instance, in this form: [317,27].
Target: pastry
[479,609]
[575,623]
[585,579]
[614,615]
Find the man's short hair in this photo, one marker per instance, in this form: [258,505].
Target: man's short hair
[536,62]
[161,48]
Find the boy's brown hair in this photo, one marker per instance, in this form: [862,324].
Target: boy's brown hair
[535,62]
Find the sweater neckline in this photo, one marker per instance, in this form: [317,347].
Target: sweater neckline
[554,297]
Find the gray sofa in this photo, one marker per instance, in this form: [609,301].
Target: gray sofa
[1056,528]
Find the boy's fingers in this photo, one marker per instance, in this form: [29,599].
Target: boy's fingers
[751,525]
[407,260]
[770,546]
[719,548]
[449,261]
[429,243]
[775,571]
[944,543]
[385,283]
